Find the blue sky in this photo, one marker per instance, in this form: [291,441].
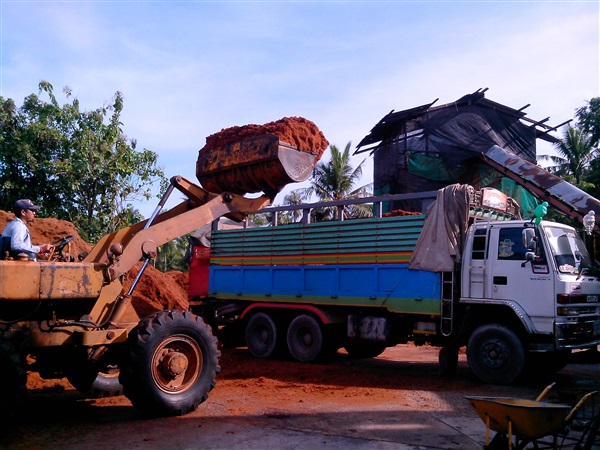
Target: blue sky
[187,69]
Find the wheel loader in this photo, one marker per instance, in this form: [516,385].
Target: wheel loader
[73,318]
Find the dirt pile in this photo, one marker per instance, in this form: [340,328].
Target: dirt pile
[400,213]
[297,131]
[155,291]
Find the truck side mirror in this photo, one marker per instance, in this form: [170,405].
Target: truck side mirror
[530,244]
[529,240]
[529,256]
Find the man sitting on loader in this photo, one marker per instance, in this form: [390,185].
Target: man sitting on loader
[18,232]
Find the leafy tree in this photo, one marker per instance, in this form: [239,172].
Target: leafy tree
[78,165]
[336,180]
[588,119]
[171,255]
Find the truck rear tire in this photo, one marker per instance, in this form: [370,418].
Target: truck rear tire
[172,364]
[495,354]
[261,335]
[305,338]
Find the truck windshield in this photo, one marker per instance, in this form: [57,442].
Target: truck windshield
[569,251]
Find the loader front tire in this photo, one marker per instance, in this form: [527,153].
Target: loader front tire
[96,384]
[95,379]
[171,365]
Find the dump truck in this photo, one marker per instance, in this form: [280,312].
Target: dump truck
[72,317]
[520,294]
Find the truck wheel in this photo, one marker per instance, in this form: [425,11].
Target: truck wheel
[364,349]
[261,335]
[172,363]
[495,354]
[305,339]
[13,378]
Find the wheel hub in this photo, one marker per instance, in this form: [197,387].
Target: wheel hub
[263,335]
[174,364]
[495,354]
[307,338]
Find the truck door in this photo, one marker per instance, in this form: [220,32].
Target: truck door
[511,277]
[473,282]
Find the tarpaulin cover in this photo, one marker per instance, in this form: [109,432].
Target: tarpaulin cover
[440,243]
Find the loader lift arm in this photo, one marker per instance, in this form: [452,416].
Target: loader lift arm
[121,250]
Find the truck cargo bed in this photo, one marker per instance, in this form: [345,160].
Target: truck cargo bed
[358,262]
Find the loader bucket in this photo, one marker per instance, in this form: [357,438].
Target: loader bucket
[258,164]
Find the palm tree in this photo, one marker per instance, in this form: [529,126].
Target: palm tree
[575,152]
[292,199]
[588,119]
[336,180]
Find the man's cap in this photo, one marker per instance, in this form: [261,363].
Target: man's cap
[25,203]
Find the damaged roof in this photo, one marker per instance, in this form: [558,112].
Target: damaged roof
[428,118]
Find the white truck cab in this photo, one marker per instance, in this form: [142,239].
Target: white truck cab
[541,284]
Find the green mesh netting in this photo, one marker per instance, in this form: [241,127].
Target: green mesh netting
[522,196]
[477,174]
[433,168]
[526,200]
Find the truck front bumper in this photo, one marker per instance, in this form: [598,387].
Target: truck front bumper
[578,332]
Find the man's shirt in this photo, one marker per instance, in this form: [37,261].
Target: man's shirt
[20,241]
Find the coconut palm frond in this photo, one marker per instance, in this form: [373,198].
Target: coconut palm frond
[575,152]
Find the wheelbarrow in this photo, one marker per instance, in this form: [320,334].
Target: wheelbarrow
[527,420]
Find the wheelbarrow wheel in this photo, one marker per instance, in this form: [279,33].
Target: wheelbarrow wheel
[495,354]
